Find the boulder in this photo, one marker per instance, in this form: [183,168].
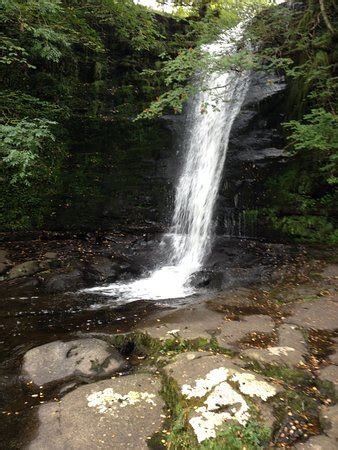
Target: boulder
[59,360]
[120,413]
[62,282]
[102,269]
[206,278]
[26,269]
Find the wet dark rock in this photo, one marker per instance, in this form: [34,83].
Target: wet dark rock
[102,269]
[206,278]
[4,267]
[59,361]
[5,263]
[3,256]
[255,151]
[62,282]
[24,283]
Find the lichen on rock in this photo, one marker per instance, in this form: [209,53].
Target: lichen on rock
[109,401]
[280,351]
[249,385]
[223,403]
[204,385]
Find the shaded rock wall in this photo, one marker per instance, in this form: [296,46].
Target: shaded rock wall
[255,152]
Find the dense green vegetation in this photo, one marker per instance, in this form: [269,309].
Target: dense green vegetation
[65,62]
[98,62]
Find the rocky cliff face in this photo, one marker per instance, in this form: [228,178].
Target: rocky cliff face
[255,152]
[122,174]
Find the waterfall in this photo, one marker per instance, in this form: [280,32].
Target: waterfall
[210,116]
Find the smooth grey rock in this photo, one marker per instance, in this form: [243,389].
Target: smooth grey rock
[320,442]
[321,314]
[189,323]
[26,269]
[330,271]
[290,349]
[72,425]
[62,360]
[329,420]
[334,358]
[50,255]
[187,367]
[330,373]
[234,330]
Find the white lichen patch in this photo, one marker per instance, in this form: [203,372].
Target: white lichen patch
[212,414]
[223,402]
[280,351]
[249,385]
[204,385]
[173,332]
[109,401]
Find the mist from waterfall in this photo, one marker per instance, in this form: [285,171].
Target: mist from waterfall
[210,116]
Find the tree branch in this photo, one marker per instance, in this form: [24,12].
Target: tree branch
[325,16]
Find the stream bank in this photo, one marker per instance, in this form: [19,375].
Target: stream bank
[276,325]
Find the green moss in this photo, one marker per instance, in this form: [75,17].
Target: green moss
[294,377]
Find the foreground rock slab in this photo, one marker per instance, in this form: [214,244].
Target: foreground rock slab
[290,350]
[112,414]
[234,330]
[78,358]
[321,314]
[189,323]
[222,390]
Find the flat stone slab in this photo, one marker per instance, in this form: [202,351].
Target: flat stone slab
[189,323]
[329,421]
[290,350]
[221,389]
[320,442]
[321,314]
[330,271]
[330,373]
[233,331]
[78,358]
[117,414]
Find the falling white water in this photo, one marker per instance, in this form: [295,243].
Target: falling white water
[209,119]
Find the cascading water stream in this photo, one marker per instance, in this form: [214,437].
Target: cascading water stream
[210,117]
